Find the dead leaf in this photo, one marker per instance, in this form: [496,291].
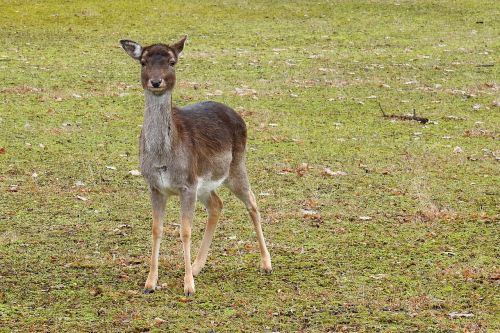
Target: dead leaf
[135,172]
[215,93]
[110,167]
[2,150]
[307,212]
[185,299]
[329,172]
[458,150]
[82,198]
[455,314]
[132,292]
[311,203]
[285,171]
[455,118]
[96,291]
[13,188]
[365,218]
[245,91]
[302,169]
[158,321]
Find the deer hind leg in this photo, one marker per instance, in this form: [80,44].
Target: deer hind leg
[158,201]
[239,185]
[188,202]
[213,204]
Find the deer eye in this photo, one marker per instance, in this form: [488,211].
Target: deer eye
[143,63]
[172,62]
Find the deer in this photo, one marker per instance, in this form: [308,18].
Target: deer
[189,152]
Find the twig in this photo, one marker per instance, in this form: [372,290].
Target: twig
[380,106]
[414,117]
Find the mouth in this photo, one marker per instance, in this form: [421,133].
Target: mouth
[157,91]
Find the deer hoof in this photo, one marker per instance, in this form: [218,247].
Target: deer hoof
[266,267]
[148,291]
[188,286]
[267,271]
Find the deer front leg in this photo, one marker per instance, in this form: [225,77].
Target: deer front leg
[188,202]
[158,201]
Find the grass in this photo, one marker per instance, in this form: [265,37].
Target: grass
[407,237]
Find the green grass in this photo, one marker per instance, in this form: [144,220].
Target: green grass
[71,104]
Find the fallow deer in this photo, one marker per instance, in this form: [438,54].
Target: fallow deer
[188,151]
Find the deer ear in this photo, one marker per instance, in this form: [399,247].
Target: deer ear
[179,46]
[132,48]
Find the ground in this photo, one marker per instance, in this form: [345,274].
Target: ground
[373,224]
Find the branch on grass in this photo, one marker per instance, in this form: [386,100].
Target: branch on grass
[413,117]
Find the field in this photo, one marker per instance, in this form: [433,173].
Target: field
[374,224]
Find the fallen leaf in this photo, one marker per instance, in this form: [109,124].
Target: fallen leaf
[311,203]
[365,218]
[135,172]
[458,150]
[306,212]
[82,198]
[455,118]
[110,167]
[215,93]
[185,299]
[132,292]
[158,321]
[302,168]
[455,314]
[79,183]
[2,150]
[13,188]
[245,91]
[313,216]
[285,171]
[329,172]
[96,291]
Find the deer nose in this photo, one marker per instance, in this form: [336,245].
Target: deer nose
[156,83]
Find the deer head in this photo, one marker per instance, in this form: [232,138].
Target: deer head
[158,63]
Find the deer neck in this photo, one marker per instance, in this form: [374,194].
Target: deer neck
[158,130]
